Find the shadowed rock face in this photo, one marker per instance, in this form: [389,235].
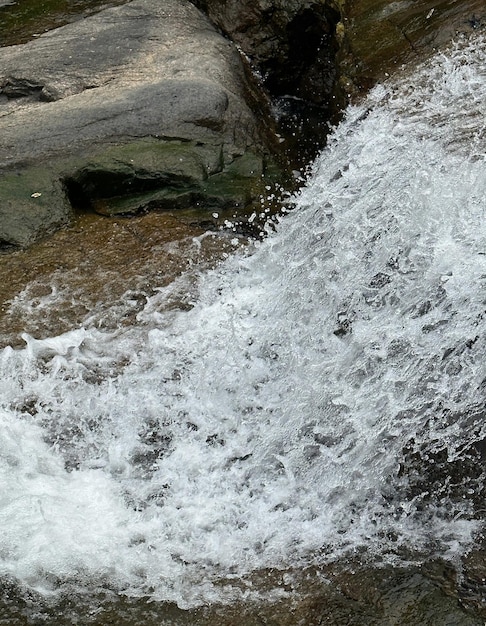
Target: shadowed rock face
[291,43]
[293,46]
[79,100]
[314,56]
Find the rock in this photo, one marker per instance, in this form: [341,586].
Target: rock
[291,42]
[32,203]
[144,98]
[316,55]
[293,45]
[299,45]
[155,174]
[379,36]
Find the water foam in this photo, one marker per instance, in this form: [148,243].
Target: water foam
[295,413]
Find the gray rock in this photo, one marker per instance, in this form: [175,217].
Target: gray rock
[174,108]
[146,67]
[32,203]
[148,71]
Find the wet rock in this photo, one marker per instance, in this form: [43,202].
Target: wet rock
[314,56]
[293,46]
[164,175]
[290,42]
[145,98]
[119,179]
[378,36]
[336,596]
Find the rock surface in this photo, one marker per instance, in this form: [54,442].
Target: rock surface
[291,42]
[377,36]
[138,98]
[293,45]
[316,55]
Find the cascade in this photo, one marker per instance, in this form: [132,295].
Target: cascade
[319,396]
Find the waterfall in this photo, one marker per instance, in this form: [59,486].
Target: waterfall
[319,396]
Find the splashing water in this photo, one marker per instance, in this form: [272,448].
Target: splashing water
[322,397]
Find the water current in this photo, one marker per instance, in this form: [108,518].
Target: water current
[317,398]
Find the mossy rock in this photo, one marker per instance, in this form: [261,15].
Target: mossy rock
[380,35]
[130,179]
[144,166]
[167,175]
[32,203]
[221,191]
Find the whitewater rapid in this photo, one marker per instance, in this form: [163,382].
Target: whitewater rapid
[290,412]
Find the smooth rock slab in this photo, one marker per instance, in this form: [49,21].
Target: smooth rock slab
[148,71]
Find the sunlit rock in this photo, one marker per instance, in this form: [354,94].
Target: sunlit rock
[87,99]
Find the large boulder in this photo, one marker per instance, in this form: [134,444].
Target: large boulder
[146,101]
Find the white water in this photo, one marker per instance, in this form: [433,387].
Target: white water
[265,427]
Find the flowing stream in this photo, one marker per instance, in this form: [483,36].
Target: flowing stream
[318,398]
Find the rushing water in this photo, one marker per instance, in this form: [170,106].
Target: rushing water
[318,398]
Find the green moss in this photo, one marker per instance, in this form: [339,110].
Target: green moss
[169,175]
[19,22]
